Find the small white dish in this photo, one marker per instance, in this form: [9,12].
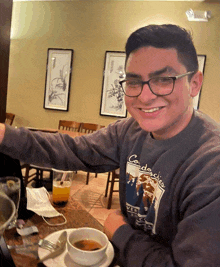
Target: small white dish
[86,257]
[64,260]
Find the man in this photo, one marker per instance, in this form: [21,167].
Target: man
[168,155]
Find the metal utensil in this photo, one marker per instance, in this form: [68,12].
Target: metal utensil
[46,244]
[62,241]
[43,243]
[24,246]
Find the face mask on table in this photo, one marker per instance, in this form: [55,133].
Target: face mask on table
[38,201]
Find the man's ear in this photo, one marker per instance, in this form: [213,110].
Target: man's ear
[196,83]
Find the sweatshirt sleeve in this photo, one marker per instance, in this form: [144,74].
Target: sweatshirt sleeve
[196,242]
[135,248]
[97,152]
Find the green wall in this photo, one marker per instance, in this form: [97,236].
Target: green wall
[91,28]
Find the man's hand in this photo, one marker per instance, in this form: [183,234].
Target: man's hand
[2,132]
[113,222]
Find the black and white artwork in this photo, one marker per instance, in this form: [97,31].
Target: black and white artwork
[112,99]
[201,62]
[58,77]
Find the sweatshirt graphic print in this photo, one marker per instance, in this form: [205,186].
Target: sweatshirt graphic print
[144,190]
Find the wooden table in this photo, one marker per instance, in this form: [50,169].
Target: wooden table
[49,130]
[46,130]
[76,217]
[70,133]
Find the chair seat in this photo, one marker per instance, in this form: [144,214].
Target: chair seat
[40,168]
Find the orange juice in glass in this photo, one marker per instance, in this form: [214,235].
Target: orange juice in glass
[62,181]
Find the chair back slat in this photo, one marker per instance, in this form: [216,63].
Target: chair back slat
[69,125]
[89,127]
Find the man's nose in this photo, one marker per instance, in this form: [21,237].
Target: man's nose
[146,94]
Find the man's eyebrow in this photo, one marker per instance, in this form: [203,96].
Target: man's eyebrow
[133,75]
[152,74]
[161,71]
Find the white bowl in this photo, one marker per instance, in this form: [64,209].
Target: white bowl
[84,257]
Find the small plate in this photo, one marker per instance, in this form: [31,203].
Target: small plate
[64,260]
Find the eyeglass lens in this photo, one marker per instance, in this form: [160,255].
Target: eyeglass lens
[159,86]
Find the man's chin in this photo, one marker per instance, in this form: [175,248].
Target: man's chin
[148,127]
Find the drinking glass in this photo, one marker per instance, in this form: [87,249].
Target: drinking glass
[62,181]
[7,212]
[11,186]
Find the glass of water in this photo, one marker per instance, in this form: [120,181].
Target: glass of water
[11,186]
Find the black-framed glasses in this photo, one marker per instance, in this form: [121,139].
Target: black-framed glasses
[159,86]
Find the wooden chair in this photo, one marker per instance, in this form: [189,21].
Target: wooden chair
[113,177]
[27,177]
[35,172]
[89,128]
[73,126]
[9,118]
[38,172]
[69,125]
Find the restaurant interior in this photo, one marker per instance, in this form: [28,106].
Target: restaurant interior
[90,28]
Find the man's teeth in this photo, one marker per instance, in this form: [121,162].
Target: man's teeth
[150,110]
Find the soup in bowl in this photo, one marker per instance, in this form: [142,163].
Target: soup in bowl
[87,246]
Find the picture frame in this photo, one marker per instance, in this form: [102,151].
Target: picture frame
[201,62]
[112,97]
[58,78]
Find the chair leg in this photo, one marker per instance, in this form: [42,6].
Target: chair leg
[96,175]
[107,184]
[51,179]
[41,177]
[110,193]
[37,178]
[51,176]
[87,178]
[26,175]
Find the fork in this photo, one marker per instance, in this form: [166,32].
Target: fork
[43,243]
[46,244]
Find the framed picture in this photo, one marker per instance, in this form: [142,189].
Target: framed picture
[58,77]
[201,61]
[112,98]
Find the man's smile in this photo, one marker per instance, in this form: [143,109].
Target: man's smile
[150,110]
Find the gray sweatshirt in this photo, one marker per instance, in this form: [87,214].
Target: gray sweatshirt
[169,189]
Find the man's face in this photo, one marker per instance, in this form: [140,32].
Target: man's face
[164,116]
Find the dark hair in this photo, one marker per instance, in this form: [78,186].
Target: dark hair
[165,36]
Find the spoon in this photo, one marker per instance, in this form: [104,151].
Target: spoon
[61,247]
[62,239]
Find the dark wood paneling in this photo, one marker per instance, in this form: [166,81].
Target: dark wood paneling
[5,29]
